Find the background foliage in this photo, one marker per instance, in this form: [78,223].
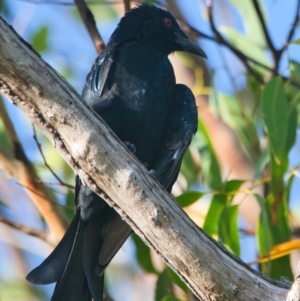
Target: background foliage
[239,179]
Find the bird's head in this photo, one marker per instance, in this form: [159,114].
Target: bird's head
[148,23]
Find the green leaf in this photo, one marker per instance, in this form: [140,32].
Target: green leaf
[246,46]
[264,228]
[210,164]
[40,39]
[211,223]
[228,229]
[188,168]
[176,279]
[100,12]
[143,254]
[275,116]
[188,198]
[163,286]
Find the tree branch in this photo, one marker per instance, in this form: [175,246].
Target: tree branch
[28,230]
[60,182]
[96,154]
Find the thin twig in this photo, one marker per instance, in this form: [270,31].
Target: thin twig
[28,230]
[126,5]
[275,53]
[46,164]
[89,22]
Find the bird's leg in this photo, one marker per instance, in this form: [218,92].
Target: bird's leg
[152,173]
[130,146]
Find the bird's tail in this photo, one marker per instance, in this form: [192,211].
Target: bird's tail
[77,264]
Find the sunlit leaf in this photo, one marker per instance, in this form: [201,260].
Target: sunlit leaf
[176,279]
[188,198]
[292,127]
[233,185]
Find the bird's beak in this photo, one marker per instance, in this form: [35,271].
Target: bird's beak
[185,45]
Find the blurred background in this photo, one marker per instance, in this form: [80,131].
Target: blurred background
[240,178]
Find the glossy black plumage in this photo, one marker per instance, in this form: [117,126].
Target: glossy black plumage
[132,87]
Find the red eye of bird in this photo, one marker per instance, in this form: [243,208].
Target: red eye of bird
[167,22]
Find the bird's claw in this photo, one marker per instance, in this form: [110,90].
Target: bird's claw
[130,146]
[152,173]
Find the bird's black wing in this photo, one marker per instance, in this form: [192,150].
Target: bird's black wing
[181,125]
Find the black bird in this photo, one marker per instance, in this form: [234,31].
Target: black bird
[132,87]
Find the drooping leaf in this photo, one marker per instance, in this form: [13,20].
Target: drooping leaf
[170,298]
[188,198]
